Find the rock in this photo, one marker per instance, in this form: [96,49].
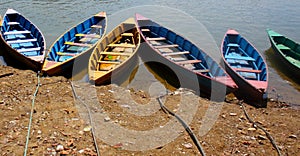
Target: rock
[106,119]
[87,128]
[261,137]
[59,148]
[251,129]
[64,152]
[232,114]
[1,102]
[188,145]
[293,136]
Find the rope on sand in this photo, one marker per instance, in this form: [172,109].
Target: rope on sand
[90,117]
[186,127]
[31,113]
[260,127]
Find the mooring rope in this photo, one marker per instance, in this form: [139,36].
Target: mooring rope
[90,117]
[31,113]
[260,127]
[186,127]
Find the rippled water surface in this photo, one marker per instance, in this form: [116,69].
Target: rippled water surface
[212,18]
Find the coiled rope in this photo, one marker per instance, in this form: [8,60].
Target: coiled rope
[90,117]
[260,127]
[186,127]
[31,113]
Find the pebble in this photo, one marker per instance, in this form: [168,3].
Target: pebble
[232,114]
[261,137]
[188,145]
[106,119]
[251,129]
[2,102]
[87,128]
[59,147]
[293,136]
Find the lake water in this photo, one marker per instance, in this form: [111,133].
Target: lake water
[206,24]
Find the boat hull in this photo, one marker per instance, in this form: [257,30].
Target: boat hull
[18,36]
[246,67]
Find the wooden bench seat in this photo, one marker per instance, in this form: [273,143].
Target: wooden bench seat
[281,46]
[127,34]
[88,35]
[188,62]
[16,32]
[176,53]
[109,62]
[201,70]
[66,54]
[145,30]
[232,45]
[22,41]
[155,38]
[122,45]
[13,23]
[29,49]
[115,53]
[78,44]
[246,70]
[96,26]
[239,57]
[166,46]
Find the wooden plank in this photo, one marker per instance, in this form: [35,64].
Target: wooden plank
[96,26]
[145,30]
[155,38]
[16,32]
[13,23]
[232,45]
[246,70]
[109,62]
[166,46]
[22,41]
[65,54]
[239,57]
[188,62]
[201,70]
[29,49]
[281,46]
[127,34]
[122,45]
[78,44]
[88,35]
[176,53]
[115,53]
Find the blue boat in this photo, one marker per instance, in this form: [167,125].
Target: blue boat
[77,43]
[192,66]
[247,68]
[22,42]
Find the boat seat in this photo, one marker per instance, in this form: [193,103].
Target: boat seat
[13,23]
[188,62]
[155,38]
[166,46]
[175,53]
[96,26]
[16,32]
[109,62]
[115,53]
[88,35]
[246,70]
[22,41]
[145,30]
[233,45]
[281,46]
[127,34]
[201,70]
[66,54]
[122,45]
[239,57]
[78,44]
[29,49]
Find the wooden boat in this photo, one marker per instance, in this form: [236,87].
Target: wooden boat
[287,50]
[247,68]
[193,68]
[115,55]
[77,43]
[23,44]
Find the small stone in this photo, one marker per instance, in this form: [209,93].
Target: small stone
[59,148]
[232,114]
[81,151]
[39,132]
[188,145]
[261,137]
[106,119]
[251,129]
[81,132]
[64,152]
[1,101]
[293,136]
[87,128]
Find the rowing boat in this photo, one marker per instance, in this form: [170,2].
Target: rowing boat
[287,50]
[23,43]
[115,55]
[247,68]
[76,44]
[193,68]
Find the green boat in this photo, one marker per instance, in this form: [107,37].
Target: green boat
[287,50]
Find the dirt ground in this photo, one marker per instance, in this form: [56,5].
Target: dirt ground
[61,125]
